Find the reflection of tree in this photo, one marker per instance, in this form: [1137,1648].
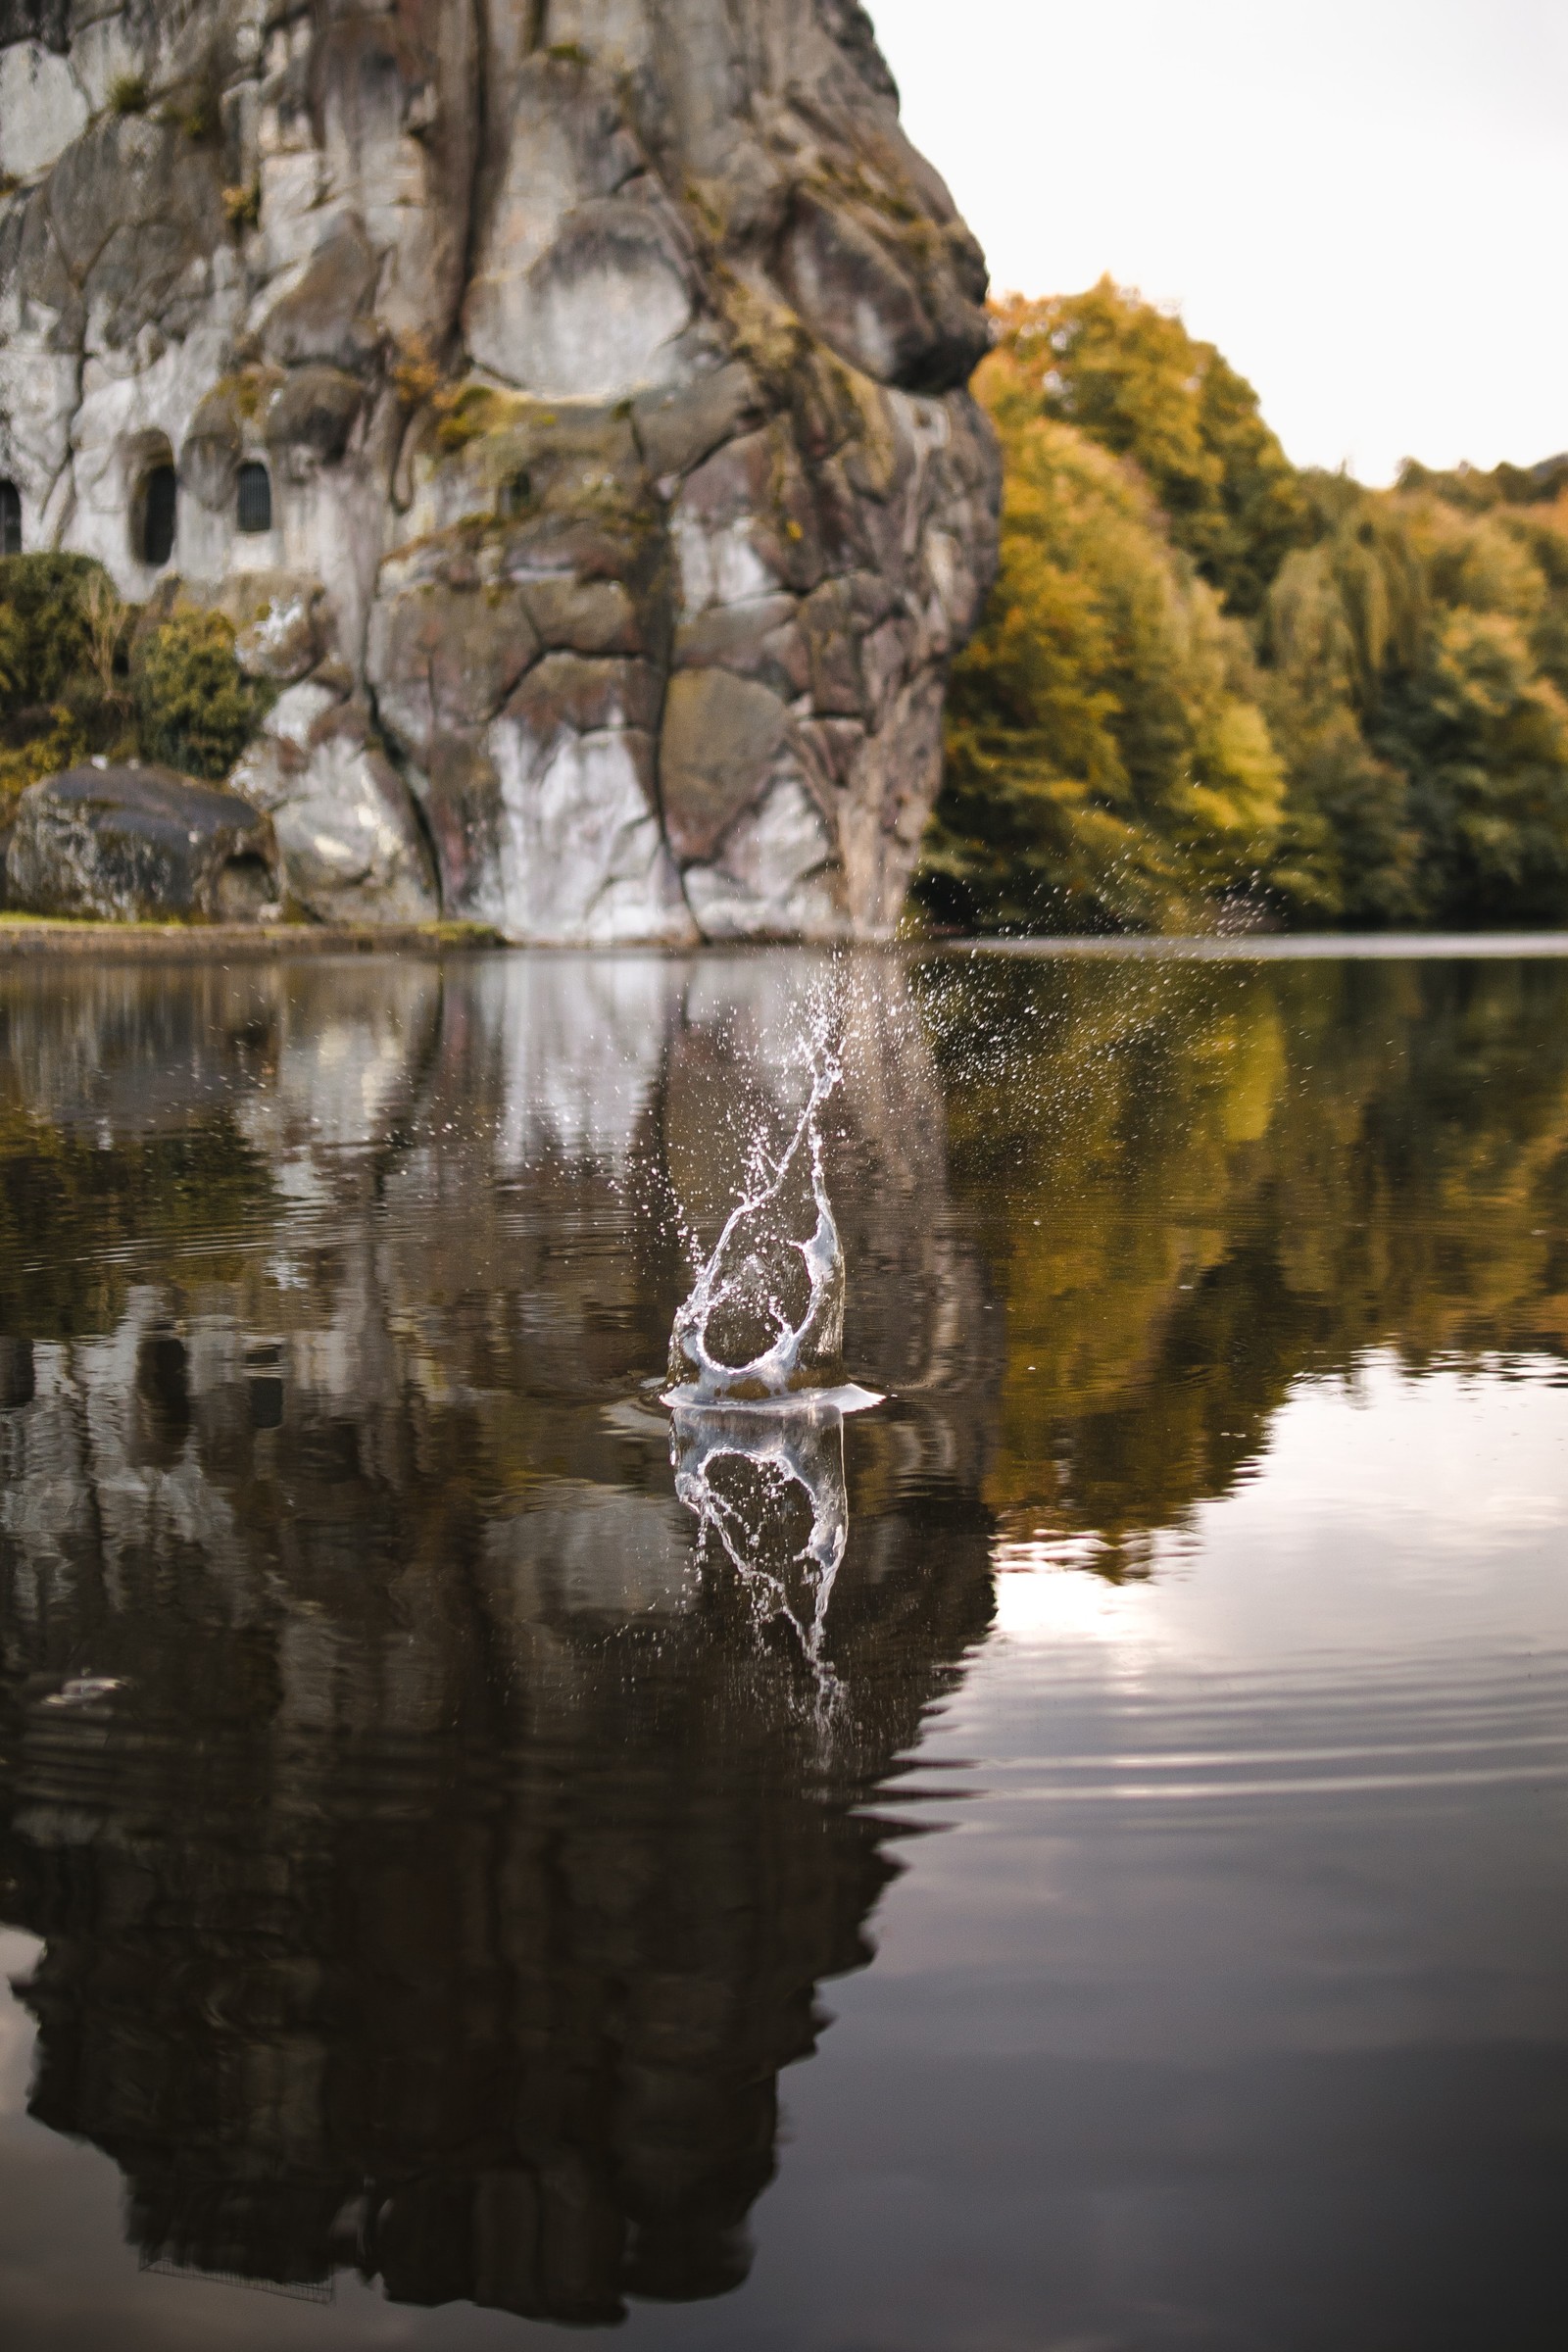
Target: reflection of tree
[454,1873]
[1194,1183]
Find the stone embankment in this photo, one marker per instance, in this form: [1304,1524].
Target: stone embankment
[565,402]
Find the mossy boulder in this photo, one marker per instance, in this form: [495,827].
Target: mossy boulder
[130,843]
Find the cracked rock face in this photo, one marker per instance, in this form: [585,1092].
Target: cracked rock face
[567,400]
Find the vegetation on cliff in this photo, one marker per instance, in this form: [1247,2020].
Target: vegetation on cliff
[83,674]
[1210,685]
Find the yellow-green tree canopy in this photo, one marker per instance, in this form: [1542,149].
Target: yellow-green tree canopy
[1108,761]
[1208,680]
[1417,662]
[1134,380]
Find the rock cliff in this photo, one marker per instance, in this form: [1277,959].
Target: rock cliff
[565,398]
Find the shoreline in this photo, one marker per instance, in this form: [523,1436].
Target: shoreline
[73,939]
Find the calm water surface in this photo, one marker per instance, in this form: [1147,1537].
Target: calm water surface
[442,1907]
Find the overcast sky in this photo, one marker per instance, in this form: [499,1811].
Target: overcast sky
[1362,202]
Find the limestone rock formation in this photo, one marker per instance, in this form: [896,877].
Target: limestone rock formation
[572,391]
[128,842]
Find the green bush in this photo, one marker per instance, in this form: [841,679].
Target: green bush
[46,626]
[195,708]
[64,687]
[84,675]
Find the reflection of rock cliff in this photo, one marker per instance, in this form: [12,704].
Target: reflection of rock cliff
[454,1873]
[567,400]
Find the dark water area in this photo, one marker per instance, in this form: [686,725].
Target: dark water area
[445,1904]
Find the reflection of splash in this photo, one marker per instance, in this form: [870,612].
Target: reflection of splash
[740,1298]
[754,1478]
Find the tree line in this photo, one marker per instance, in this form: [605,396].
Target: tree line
[1211,687]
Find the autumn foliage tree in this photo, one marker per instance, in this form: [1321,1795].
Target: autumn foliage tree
[1131,377]
[1211,687]
[1109,763]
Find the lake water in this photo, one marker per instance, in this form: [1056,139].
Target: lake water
[441,1908]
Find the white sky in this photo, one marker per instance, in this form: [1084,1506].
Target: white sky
[1362,202]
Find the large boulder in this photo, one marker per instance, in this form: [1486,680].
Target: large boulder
[349,840]
[568,338]
[143,844]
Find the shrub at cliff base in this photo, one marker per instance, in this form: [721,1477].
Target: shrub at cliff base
[83,674]
[195,709]
[1388,743]
[55,705]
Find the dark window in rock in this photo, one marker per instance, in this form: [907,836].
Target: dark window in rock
[255,499]
[157,499]
[9,519]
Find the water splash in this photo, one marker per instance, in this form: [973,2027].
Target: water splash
[749,1333]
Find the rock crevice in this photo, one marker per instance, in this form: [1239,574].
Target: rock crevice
[574,396]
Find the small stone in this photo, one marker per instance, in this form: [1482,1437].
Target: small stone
[677,430]
[567,691]
[350,844]
[444,656]
[325,316]
[315,409]
[584,617]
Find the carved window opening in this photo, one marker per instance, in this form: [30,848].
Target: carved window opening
[157,504]
[255,497]
[9,519]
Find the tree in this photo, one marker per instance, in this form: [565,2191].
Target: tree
[1416,683]
[1135,380]
[1108,762]
[1205,676]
